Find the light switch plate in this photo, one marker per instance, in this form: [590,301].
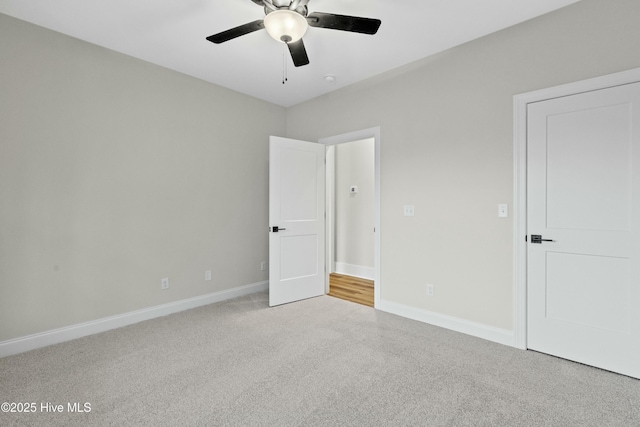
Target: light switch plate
[503,211]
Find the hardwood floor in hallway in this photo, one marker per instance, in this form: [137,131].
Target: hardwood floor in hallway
[351,288]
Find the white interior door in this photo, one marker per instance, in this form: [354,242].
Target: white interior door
[583,199]
[296,218]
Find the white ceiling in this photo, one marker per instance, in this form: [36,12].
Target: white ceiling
[172,33]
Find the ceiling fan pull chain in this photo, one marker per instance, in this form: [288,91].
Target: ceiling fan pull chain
[284,63]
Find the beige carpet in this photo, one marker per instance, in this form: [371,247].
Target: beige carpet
[319,362]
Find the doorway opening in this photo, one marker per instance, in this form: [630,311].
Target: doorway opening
[353,214]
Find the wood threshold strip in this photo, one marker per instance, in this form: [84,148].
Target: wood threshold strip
[351,288]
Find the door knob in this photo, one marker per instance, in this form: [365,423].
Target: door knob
[276,229]
[536,238]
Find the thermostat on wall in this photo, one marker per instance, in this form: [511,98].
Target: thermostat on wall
[353,189]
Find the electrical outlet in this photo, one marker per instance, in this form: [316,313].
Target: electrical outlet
[164,283]
[429,290]
[409,210]
[207,275]
[263,266]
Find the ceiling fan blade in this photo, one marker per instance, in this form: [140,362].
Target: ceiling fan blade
[354,24]
[237,32]
[298,53]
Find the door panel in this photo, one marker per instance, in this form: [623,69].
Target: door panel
[298,184]
[583,187]
[296,207]
[575,291]
[579,145]
[298,255]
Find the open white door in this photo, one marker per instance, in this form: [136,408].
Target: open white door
[584,224]
[296,218]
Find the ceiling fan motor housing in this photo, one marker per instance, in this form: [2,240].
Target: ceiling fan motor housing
[299,6]
[281,3]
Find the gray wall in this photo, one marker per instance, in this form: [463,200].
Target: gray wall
[446,147]
[115,173]
[355,212]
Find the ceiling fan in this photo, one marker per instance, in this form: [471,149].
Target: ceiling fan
[287,21]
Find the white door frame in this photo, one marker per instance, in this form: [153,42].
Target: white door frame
[520,182]
[350,137]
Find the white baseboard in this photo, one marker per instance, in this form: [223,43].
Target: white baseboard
[355,270]
[490,333]
[55,336]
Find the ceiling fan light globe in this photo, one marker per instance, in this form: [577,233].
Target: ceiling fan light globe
[286,26]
